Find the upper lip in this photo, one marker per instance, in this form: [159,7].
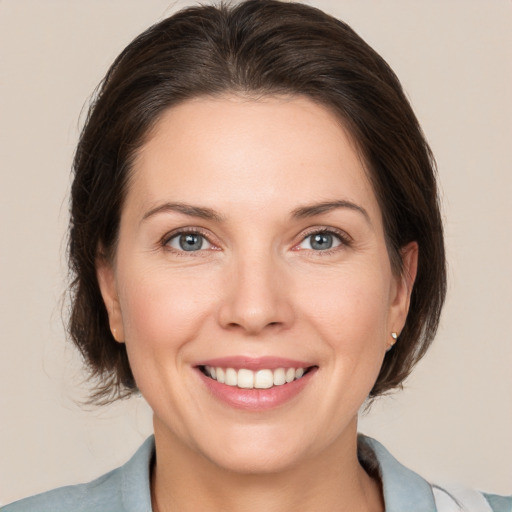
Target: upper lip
[254,363]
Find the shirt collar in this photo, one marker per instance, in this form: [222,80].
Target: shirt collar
[403,489]
[136,493]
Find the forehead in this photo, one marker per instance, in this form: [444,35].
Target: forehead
[246,153]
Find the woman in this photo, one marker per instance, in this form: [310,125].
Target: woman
[258,249]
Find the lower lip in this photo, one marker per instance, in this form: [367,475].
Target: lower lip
[256,399]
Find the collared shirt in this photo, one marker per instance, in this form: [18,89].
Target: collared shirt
[127,489]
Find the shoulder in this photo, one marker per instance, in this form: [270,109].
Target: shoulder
[457,498]
[405,490]
[124,489]
[499,503]
[104,490]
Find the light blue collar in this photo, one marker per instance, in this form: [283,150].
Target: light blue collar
[404,490]
[136,489]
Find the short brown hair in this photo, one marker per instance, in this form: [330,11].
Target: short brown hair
[257,47]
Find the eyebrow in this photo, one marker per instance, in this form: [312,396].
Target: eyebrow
[185,209]
[318,208]
[299,213]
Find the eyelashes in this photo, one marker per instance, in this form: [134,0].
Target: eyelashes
[324,240]
[193,241]
[187,241]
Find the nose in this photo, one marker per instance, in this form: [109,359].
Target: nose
[257,297]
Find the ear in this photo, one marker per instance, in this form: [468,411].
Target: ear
[404,284]
[108,287]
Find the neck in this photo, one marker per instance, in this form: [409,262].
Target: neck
[334,481]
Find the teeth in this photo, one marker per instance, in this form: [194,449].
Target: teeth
[290,375]
[231,377]
[247,379]
[263,379]
[279,377]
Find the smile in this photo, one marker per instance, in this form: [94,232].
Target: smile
[255,384]
[249,379]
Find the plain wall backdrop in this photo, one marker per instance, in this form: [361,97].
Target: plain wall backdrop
[452,422]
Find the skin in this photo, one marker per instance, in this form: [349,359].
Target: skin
[256,288]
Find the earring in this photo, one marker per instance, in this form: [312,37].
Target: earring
[114,333]
[394,335]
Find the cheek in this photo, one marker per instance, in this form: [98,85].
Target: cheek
[163,309]
[351,316]
[350,304]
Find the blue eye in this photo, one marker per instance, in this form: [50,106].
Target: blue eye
[321,241]
[188,242]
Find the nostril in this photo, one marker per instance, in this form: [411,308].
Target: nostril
[254,315]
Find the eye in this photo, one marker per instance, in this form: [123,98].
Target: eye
[321,241]
[189,242]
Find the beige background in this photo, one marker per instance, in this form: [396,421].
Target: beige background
[453,422]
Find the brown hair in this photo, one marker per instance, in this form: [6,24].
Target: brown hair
[258,47]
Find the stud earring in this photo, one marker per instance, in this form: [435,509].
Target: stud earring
[394,335]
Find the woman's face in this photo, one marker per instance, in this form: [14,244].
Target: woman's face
[251,242]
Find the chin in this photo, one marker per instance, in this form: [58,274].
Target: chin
[259,450]
[252,460]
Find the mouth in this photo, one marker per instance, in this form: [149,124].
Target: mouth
[245,378]
[255,384]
